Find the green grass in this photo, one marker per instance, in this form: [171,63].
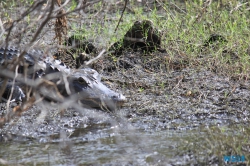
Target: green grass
[184,27]
[13,3]
[211,145]
[186,31]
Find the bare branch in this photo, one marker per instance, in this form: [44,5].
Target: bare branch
[2,28]
[94,59]
[126,1]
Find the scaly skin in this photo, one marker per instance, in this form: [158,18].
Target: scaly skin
[84,83]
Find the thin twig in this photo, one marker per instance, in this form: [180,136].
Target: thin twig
[12,88]
[32,83]
[17,111]
[94,59]
[126,1]
[135,39]
[169,12]
[75,10]
[2,28]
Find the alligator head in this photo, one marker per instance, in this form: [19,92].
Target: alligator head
[86,84]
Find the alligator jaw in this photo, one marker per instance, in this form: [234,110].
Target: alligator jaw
[103,97]
[105,103]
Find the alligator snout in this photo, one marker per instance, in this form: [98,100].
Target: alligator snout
[119,99]
[92,92]
[105,102]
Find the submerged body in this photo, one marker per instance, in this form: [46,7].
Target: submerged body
[85,84]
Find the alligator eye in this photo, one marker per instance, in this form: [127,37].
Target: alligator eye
[82,81]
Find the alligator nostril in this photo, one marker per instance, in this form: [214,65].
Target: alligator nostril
[119,97]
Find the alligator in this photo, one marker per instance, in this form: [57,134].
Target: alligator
[83,83]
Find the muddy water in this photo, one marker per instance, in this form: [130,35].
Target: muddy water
[99,147]
[110,147]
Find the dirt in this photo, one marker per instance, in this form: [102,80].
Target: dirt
[160,102]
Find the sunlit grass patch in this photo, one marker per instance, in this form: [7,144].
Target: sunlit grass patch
[214,144]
